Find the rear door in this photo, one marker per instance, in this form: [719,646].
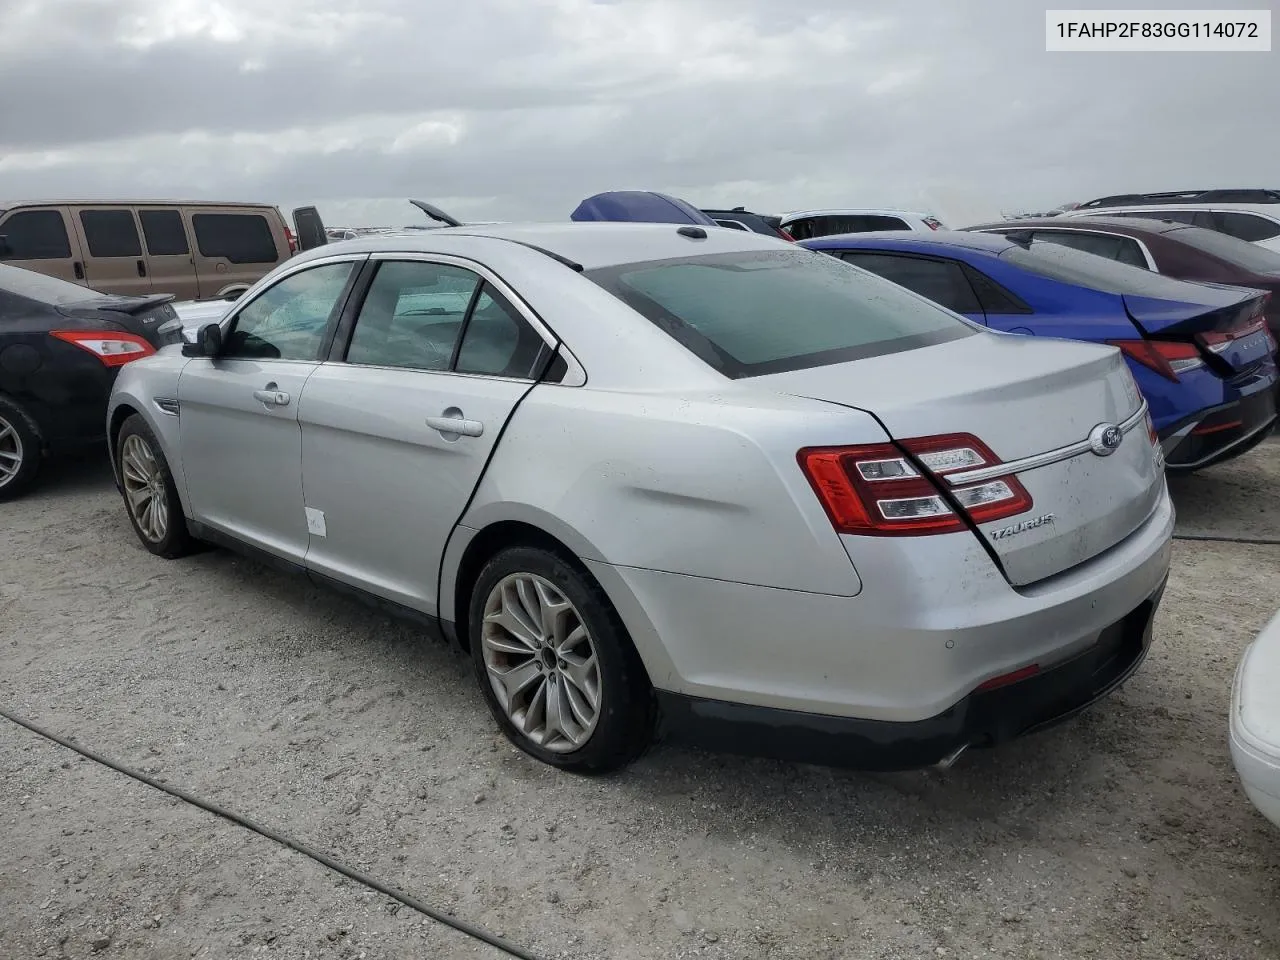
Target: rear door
[309,228]
[43,240]
[942,281]
[168,252]
[234,247]
[114,262]
[396,430]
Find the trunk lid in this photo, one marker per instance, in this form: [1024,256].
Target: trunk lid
[151,317]
[1024,398]
[1229,327]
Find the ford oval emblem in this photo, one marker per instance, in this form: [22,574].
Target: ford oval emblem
[1104,439]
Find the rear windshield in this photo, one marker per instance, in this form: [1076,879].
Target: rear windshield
[753,313]
[42,289]
[1059,262]
[1238,253]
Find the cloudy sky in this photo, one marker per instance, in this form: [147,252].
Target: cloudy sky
[514,109]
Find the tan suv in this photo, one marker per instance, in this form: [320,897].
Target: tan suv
[194,251]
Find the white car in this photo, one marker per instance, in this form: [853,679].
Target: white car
[807,224]
[1249,215]
[1255,721]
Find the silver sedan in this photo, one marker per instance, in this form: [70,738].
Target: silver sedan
[678,480]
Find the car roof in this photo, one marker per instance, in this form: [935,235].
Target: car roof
[589,244]
[941,239]
[1132,226]
[852,211]
[144,202]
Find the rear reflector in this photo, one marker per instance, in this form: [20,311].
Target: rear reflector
[112,348]
[876,490]
[995,683]
[1166,357]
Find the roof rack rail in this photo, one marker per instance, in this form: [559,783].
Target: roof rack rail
[1229,195]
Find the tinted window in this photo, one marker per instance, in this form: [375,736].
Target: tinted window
[36,235]
[110,233]
[165,234]
[995,299]
[802,229]
[288,320]
[942,281]
[731,224]
[412,316]
[1238,253]
[861,223]
[1245,226]
[1121,249]
[747,314]
[1060,262]
[497,340]
[239,237]
[38,287]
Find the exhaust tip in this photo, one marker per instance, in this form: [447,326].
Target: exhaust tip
[947,762]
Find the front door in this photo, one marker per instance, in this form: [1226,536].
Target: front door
[240,440]
[113,258]
[396,432]
[40,240]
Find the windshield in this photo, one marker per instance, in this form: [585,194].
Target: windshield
[1060,262]
[42,289]
[1238,253]
[753,313]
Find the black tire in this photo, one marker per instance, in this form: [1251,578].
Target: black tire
[176,540]
[625,718]
[18,438]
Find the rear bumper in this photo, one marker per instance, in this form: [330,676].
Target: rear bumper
[982,719]
[1220,433]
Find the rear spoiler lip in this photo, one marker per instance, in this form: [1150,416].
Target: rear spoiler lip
[1155,317]
[128,305]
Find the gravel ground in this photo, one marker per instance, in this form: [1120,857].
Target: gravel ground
[1122,833]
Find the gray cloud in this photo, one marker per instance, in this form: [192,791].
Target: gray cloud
[519,108]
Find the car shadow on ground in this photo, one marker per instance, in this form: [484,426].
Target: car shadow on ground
[70,476]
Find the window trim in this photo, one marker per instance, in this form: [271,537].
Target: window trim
[575,375]
[274,278]
[1142,245]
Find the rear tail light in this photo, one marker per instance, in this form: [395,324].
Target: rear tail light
[1166,357]
[932,223]
[113,349]
[293,241]
[876,490]
[784,235]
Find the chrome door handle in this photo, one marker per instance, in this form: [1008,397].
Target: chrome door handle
[272,398]
[452,427]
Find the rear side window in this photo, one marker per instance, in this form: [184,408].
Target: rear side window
[859,223]
[110,233]
[497,340]
[412,315]
[1060,262]
[1120,249]
[995,299]
[166,237]
[36,235]
[1245,226]
[1238,253]
[749,314]
[238,237]
[942,281]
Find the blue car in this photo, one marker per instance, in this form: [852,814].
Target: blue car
[1201,353]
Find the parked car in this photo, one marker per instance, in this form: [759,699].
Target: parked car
[739,218]
[807,224]
[1169,247]
[192,250]
[639,206]
[593,456]
[1255,721]
[1201,353]
[1249,215]
[60,349]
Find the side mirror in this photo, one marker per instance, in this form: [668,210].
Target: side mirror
[208,342]
[5,249]
[234,295]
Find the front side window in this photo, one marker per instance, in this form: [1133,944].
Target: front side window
[36,235]
[110,233]
[288,321]
[749,314]
[942,281]
[237,237]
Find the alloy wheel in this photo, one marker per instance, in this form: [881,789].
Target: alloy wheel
[541,662]
[10,452]
[144,488]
